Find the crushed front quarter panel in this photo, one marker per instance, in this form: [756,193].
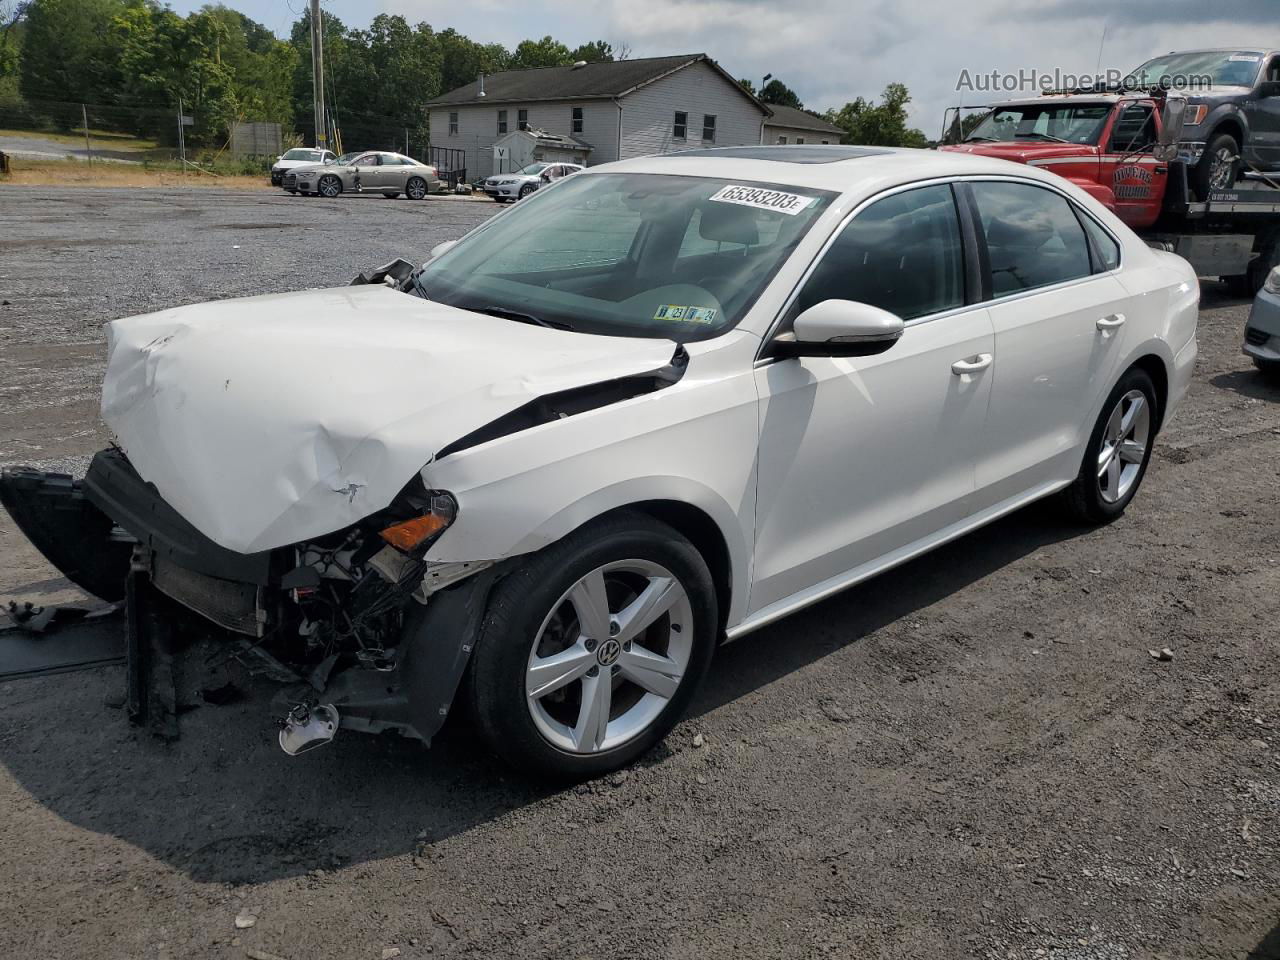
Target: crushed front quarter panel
[268,420]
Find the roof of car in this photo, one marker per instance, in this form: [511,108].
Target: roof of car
[854,169]
[799,120]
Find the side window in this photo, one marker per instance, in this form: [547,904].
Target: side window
[902,254]
[782,139]
[1033,237]
[522,119]
[709,128]
[453,123]
[577,119]
[368,160]
[1135,129]
[1107,250]
[680,127]
[502,122]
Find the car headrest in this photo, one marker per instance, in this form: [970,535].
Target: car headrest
[728,223]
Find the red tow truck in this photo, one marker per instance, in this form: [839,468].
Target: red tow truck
[1122,148]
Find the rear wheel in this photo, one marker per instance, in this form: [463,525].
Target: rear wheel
[593,649]
[1218,167]
[1119,449]
[416,188]
[329,186]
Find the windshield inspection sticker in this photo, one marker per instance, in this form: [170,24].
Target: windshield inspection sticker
[761,199]
[672,311]
[1243,58]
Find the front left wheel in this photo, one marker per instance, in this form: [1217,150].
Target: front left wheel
[592,650]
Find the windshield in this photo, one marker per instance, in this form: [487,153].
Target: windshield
[301,155]
[628,254]
[1214,67]
[1054,122]
[534,168]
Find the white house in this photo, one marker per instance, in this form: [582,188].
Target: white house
[789,125]
[610,110]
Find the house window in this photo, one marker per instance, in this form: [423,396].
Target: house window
[782,139]
[680,129]
[799,139]
[522,119]
[709,128]
[577,119]
[826,141]
[502,122]
[453,123]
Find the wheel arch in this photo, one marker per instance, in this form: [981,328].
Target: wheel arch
[1154,366]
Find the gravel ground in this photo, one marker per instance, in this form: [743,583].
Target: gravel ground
[973,755]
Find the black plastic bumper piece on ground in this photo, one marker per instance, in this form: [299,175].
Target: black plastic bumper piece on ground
[116,489]
[51,509]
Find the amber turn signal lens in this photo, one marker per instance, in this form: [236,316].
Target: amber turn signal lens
[410,534]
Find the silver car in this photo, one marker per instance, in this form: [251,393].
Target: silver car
[367,171]
[518,185]
[1262,330]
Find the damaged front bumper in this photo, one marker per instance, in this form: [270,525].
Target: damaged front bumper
[347,620]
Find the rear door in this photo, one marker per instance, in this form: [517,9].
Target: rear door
[1058,311]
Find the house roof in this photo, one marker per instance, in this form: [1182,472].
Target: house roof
[561,141]
[799,120]
[594,81]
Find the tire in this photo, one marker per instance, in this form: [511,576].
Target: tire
[531,618]
[1215,171]
[527,189]
[416,188]
[1099,494]
[329,186]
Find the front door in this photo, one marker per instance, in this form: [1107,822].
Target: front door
[1263,114]
[1129,167]
[862,457]
[1058,312]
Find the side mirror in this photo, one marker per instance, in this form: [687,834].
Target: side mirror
[441,248]
[840,328]
[1171,122]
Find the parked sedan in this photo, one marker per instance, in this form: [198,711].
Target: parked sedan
[298,157]
[1262,330]
[507,187]
[546,474]
[389,174]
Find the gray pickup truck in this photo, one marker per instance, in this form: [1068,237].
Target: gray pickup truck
[1233,111]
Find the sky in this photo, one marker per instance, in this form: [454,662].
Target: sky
[833,51]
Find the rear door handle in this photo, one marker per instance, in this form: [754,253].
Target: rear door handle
[1111,322]
[972,365]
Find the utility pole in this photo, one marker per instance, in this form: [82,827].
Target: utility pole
[182,138]
[88,148]
[317,74]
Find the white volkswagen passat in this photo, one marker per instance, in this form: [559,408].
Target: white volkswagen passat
[660,405]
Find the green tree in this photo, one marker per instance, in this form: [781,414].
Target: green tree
[597,51]
[68,53]
[546,52]
[883,124]
[462,60]
[775,91]
[747,85]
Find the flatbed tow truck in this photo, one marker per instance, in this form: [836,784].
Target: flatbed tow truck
[1122,147]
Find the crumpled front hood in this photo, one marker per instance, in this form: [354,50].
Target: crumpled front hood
[268,420]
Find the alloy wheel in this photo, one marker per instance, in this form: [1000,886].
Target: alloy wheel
[416,189]
[330,187]
[1124,446]
[1222,169]
[609,656]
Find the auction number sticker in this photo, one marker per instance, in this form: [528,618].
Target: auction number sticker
[675,311]
[1243,58]
[761,199]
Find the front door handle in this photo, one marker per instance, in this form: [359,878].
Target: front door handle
[972,365]
[1111,322]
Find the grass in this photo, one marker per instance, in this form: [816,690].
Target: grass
[39,172]
[105,139]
